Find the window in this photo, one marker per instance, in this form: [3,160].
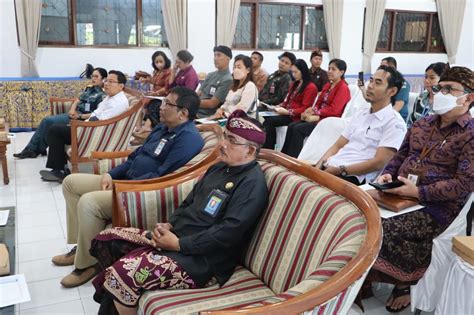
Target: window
[410,32]
[102,23]
[265,25]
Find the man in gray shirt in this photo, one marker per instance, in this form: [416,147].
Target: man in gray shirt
[214,89]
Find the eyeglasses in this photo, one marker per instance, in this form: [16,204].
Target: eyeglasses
[446,89]
[168,103]
[232,140]
[110,82]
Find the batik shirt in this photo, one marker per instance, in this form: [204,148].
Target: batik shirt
[446,174]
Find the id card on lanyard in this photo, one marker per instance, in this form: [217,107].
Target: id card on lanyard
[160,146]
[214,202]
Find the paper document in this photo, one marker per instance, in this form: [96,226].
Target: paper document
[155,97]
[13,290]
[4,217]
[267,114]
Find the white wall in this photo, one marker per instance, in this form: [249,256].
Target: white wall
[54,62]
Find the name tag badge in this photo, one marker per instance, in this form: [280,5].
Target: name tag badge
[87,107]
[413,178]
[160,146]
[213,90]
[215,201]
[271,90]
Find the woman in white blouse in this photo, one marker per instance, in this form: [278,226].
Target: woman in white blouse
[243,94]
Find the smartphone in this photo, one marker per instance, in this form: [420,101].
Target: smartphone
[361,78]
[393,184]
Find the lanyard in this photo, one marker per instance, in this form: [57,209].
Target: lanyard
[425,151]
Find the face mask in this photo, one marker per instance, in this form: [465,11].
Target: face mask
[443,103]
[238,74]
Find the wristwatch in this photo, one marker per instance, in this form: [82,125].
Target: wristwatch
[343,170]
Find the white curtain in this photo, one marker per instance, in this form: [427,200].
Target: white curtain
[175,17]
[451,16]
[29,19]
[374,12]
[227,15]
[332,10]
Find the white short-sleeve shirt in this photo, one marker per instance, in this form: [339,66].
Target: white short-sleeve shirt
[111,106]
[366,132]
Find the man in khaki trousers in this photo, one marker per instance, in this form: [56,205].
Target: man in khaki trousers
[89,197]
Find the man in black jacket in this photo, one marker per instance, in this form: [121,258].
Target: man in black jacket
[204,236]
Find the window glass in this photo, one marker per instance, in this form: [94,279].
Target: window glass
[279,26]
[55,21]
[106,22]
[315,30]
[153,32]
[411,30]
[243,30]
[383,42]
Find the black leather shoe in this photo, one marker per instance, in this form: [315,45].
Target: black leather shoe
[52,176]
[26,154]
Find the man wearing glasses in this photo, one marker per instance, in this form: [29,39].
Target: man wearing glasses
[436,164]
[114,104]
[88,197]
[205,235]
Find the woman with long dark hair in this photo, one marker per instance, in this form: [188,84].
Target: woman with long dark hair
[423,105]
[243,93]
[331,103]
[300,96]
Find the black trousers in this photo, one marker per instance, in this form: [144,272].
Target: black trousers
[270,125]
[58,136]
[297,132]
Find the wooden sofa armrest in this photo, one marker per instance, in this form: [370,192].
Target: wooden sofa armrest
[97,155]
[347,275]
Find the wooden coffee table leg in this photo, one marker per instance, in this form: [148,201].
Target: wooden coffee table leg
[3,158]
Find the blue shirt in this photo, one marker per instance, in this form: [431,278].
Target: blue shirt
[164,151]
[403,95]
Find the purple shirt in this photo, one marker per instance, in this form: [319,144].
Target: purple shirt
[446,174]
[187,78]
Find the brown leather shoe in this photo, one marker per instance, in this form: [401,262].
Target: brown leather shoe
[80,276]
[65,259]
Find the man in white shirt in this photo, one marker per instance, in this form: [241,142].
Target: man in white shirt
[372,137]
[59,135]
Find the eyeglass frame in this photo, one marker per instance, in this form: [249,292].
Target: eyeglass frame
[233,140]
[446,89]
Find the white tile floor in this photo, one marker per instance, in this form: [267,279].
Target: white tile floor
[41,222]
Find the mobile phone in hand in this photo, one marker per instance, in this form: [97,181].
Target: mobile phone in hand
[392,184]
[361,78]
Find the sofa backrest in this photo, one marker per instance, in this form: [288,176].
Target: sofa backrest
[304,227]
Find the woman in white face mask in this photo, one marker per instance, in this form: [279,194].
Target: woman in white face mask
[436,165]
[243,93]
[423,105]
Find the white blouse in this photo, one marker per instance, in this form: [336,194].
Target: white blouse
[244,98]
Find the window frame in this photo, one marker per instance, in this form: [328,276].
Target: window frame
[255,23]
[391,36]
[73,32]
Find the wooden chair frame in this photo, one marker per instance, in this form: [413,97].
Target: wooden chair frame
[345,277]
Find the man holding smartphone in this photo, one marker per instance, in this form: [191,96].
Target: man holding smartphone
[372,137]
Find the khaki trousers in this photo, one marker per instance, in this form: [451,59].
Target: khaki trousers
[88,211]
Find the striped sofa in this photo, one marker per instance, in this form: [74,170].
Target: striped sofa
[211,134]
[309,253]
[106,135]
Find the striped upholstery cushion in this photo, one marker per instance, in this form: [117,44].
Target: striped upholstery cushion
[144,209]
[210,142]
[306,235]
[243,288]
[61,107]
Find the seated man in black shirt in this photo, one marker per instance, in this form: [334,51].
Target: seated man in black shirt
[204,236]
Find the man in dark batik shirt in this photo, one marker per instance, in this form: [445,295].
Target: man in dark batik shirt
[318,75]
[436,164]
[205,235]
[278,83]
